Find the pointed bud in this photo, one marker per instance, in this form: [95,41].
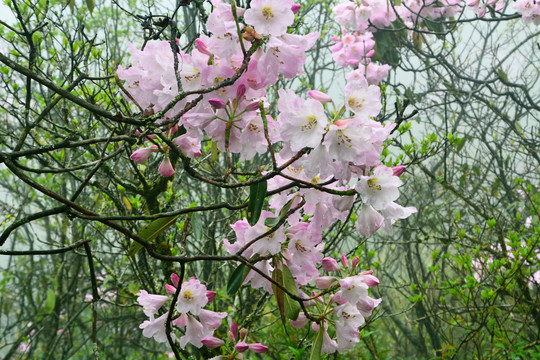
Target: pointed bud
[317,298]
[175,279]
[230,335]
[166,169]
[201,46]
[295,7]
[344,260]
[370,280]
[319,96]
[141,155]
[241,347]
[398,170]
[217,103]
[170,289]
[258,348]
[212,342]
[234,329]
[325,282]
[243,333]
[211,295]
[355,262]
[253,106]
[370,53]
[241,91]
[330,264]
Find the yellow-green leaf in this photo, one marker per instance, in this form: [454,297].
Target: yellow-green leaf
[151,231]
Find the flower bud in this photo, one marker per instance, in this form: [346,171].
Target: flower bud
[319,96]
[234,329]
[201,46]
[355,262]
[317,298]
[165,168]
[398,170]
[240,91]
[258,348]
[211,295]
[230,335]
[241,347]
[141,155]
[212,342]
[330,264]
[370,53]
[344,260]
[170,289]
[325,282]
[217,103]
[243,333]
[295,7]
[370,280]
[175,279]
[252,106]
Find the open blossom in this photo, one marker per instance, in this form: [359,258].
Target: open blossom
[151,303]
[270,17]
[192,297]
[379,189]
[302,121]
[362,99]
[155,328]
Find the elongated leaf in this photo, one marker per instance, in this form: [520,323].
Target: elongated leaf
[277,276]
[237,278]
[317,345]
[257,193]
[292,307]
[151,231]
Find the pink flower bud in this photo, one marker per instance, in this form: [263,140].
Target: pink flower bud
[170,289]
[175,279]
[141,155]
[353,62]
[370,280]
[253,106]
[355,262]
[165,168]
[230,335]
[241,347]
[212,342]
[330,264]
[367,272]
[258,348]
[398,170]
[319,96]
[234,329]
[344,260]
[211,295]
[370,53]
[240,91]
[217,103]
[315,327]
[201,46]
[325,282]
[295,7]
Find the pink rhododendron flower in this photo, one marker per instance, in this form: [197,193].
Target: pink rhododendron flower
[192,297]
[151,303]
[165,168]
[270,17]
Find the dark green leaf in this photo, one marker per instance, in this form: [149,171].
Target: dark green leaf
[257,193]
[317,345]
[151,231]
[292,307]
[237,278]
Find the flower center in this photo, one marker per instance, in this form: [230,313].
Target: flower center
[372,184]
[312,121]
[267,12]
[188,296]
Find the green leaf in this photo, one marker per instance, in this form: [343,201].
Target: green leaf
[91,5]
[291,307]
[151,231]
[50,302]
[317,345]
[277,276]
[237,278]
[257,193]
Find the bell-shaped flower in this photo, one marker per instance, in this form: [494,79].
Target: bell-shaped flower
[151,303]
[192,297]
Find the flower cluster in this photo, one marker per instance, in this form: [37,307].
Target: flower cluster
[192,299]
